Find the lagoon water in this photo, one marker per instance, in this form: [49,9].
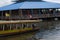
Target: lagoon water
[51,34]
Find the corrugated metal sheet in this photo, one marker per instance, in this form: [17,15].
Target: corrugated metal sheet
[30,5]
[11,7]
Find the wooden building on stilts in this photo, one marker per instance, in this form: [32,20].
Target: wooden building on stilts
[26,15]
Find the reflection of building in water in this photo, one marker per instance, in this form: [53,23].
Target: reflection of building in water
[26,15]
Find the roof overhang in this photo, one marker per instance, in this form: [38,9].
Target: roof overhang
[31,5]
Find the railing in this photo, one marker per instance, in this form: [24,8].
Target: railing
[28,17]
[43,15]
[57,14]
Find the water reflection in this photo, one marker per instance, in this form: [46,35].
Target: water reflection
[49,35]
[52,34]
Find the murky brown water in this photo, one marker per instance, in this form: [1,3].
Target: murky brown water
[52,34]
[18,37]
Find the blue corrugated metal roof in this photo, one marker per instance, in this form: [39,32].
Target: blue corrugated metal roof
[11,7]
[30,5]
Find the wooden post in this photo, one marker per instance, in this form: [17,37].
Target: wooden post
[22,25]
[27,25]
[31,25]
[10,15]
[21,14]
[54,13]
[16,26]
[32,12]
[39,13]
[2,15]
[10,26]
[3,27]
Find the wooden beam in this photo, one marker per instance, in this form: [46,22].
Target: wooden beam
[19,21]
